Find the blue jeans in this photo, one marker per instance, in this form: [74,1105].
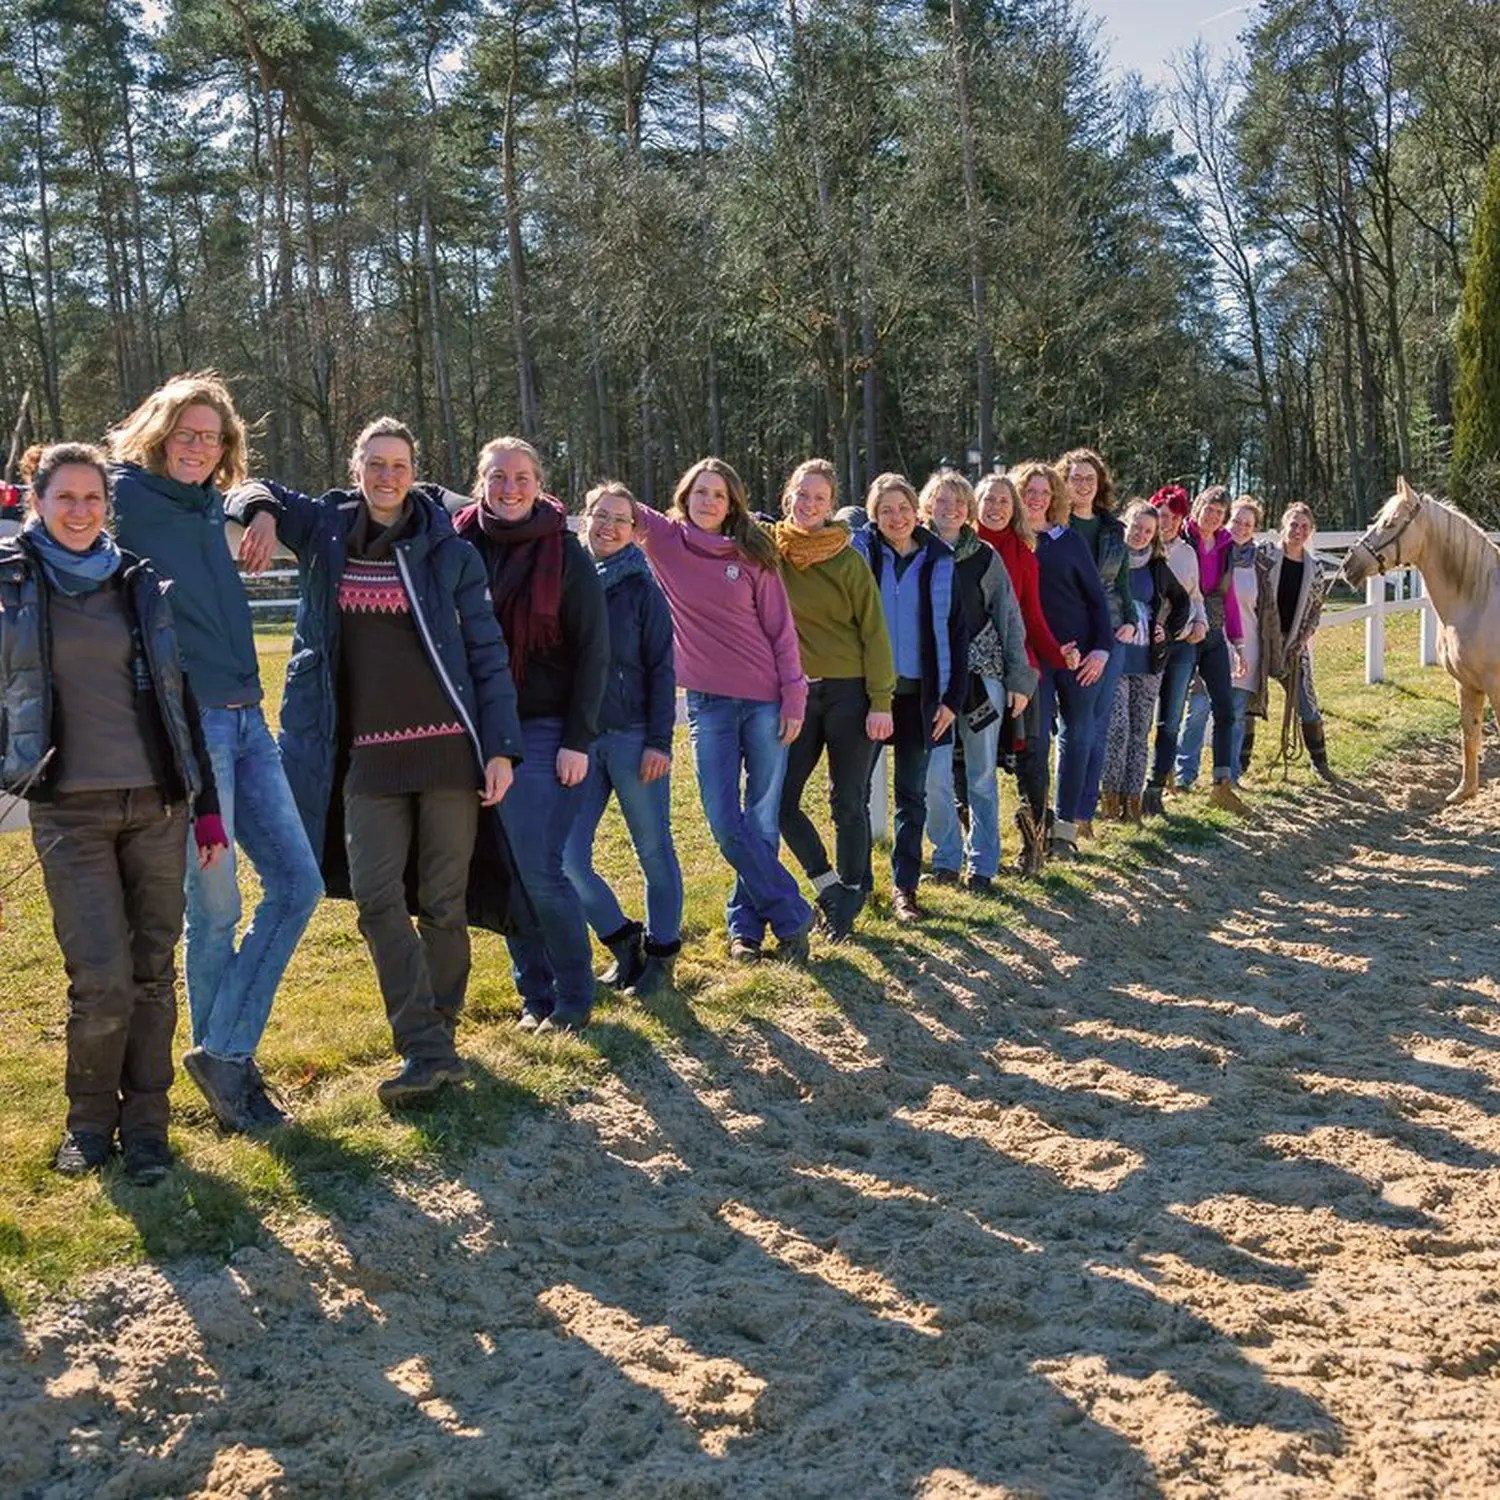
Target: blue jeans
[1211,659]
[1104,706]
[980,760]
[615,766]
[1177,676]
[230,992]
[1063,691]
[552,967]
[734,738]
[1195,731]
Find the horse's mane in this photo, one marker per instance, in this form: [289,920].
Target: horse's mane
[1470,554]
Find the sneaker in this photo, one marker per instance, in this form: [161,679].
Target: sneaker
[743,951]
[1063,843]
[223,1084]
[147,1159]
[82,1152]
[904,906]
[264,1111]
[558,1024]
[531,1019]
[795,949]
[420,1077]
[842,912]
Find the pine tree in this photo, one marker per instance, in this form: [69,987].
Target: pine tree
[1474,481]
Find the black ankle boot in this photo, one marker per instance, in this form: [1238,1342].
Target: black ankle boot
[1248,748]
[630,956]
[658,973]
[1317,748]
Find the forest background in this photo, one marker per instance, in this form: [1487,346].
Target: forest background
[895,233]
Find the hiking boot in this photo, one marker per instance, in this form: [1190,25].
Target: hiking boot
[563,1023]
[1063,843]
[1151,802]
[904,906]
[146,1159]
[224,1084]
[82,1152]
[795,948]
[264,1111]
[743,951]
[1085,827]
[1227,799]
[1110,809]
[629,950]
[420,1077]
[1133,811]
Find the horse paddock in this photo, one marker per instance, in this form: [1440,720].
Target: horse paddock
[1032,1218]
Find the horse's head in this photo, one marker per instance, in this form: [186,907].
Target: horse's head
[1381,546]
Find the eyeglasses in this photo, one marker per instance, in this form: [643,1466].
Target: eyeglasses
[197,437]
[614,523]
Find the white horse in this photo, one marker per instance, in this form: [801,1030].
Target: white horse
[1461,568]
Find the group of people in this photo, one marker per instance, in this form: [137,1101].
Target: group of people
[470,683]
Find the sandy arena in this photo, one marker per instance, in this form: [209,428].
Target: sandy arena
[1188,1192]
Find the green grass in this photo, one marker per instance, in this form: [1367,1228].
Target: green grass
[328,1043]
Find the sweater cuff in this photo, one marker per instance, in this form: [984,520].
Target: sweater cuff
[880,703]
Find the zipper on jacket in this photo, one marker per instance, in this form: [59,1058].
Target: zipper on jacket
[432,655]
[148,645]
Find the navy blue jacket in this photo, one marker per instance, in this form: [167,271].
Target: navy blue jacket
[1073,599]
[450,603]
[642,685]
[180,527]
[945,636]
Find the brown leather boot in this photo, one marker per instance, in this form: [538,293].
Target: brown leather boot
[1109,808]
[1133,810]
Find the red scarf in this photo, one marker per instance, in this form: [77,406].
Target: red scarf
[526,572]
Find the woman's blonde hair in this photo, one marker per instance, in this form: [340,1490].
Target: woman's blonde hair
[739,524]
[1104,496]
[506,445]
[1059,507]
[1144,507]
[811,468]
[380,427]
[883,484]
[142,437]
[954,482]
[1018,522]
[614,487]
[1250,503]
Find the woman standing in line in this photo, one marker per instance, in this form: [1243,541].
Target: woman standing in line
[1078,613]
[550,604]
[1003,524]
[924,616]
[1292,586]
[737,656]
[398,725]
[1091,492]
[1160,607]
[632,757]
[846,653]
[100,732]
[172,456]
[1001,684]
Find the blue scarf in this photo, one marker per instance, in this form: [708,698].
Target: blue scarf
[615,569]
[71,572]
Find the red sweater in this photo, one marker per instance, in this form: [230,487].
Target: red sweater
[1020,563]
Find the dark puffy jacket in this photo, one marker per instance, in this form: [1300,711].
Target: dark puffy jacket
[170,724]
[945,638]
[1171,608]
[642,685]
[1110,558]
[450,603]
[180,527]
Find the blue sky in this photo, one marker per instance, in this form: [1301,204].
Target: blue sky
[1143,34]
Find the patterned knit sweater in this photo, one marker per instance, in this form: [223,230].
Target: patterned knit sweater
[405,736]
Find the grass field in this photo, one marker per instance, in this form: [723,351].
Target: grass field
[328,1044]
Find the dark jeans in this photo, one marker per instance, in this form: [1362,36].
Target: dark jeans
[911,748]
[423,972]
[115,881]
[836,712]
[1075,703]
[1211,659]
[1105,693]
[553,966]
[1031,761]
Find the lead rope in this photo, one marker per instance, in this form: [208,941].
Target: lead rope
[1292,741]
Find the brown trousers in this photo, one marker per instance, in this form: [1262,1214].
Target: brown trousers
[114,863]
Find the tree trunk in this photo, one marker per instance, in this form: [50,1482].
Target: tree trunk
[984,373]
[516,267]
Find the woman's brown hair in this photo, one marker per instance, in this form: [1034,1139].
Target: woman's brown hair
[1059,508]
[1104,496]
[739,524]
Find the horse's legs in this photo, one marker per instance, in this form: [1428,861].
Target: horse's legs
[1471,712]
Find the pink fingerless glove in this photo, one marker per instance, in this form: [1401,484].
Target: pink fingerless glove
[208,833]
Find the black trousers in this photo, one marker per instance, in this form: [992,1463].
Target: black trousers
[114,863]
[836,711]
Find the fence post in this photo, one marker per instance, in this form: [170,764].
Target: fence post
[1429,625]
[1375,629]
[880,797]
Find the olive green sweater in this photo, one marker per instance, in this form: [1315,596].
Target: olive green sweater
[841,625]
